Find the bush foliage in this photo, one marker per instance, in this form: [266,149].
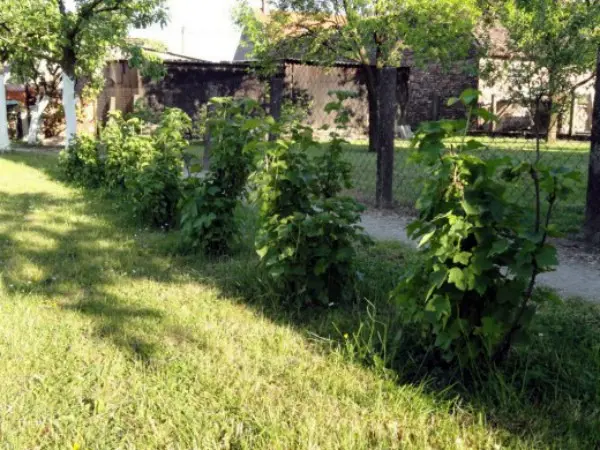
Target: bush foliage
[472,294]
[210,199]
[144,168]
[82,163]
[308,233]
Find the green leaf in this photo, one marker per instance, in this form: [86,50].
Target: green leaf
[462,258]
[470,208]
[491,327]
[546,257]
[470,96]
[499,247]
[457,277]
[440,306]
[426,238]
[453,101]
[473,145]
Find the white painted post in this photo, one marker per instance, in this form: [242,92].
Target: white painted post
[4,141]
[69,107]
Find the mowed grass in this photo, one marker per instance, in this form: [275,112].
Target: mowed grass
[109,339]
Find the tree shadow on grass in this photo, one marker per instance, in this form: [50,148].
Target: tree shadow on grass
[76,266]
[547,394]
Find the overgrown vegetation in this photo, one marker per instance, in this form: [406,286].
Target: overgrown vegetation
[210,200]
[156,186]
[82,164]
[472,294]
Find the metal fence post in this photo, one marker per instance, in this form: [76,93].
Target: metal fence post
[276,88]
[207,138]
[385,141]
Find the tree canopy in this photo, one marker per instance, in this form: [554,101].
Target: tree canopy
[369,32]
[552,49]
[78,36]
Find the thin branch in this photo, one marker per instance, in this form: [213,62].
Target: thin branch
[583,82]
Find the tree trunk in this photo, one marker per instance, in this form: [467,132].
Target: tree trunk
[37,113]
[4,141]
[27,112]
[387,102]
[592,210]
[68,96]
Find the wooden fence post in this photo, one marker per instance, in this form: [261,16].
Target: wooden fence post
[386,134]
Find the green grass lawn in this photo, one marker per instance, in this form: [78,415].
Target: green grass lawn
[109,339]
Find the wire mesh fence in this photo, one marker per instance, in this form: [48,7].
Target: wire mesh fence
[409,176]
[425,99]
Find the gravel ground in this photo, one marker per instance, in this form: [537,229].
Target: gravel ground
[578,274]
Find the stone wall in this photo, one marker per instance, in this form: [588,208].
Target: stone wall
[431,87]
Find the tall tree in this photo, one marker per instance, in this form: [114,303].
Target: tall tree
[550,56]
[592,210]
[28,35]
[372,33]
[86,35]
[78,36]
[592,213]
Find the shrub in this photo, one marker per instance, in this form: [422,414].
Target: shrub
[210,199]
[123,144]
[155,183]
[199,122]
[308,233]
[82,163]
[144,169]
[148,113]
[472,294]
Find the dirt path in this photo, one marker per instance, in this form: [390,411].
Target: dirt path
[578,274]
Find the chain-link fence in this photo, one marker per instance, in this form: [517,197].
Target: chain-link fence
[420,96]
[409,176]
[309,88]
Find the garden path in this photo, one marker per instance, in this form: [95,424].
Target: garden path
[578,274]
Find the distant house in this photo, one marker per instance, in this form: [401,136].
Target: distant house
[514,117]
